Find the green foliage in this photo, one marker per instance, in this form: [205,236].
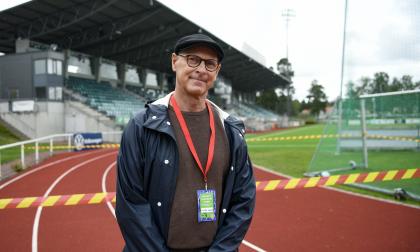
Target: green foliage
[317,99]
[380,83]
[6,136]
[17,167]
[268,99]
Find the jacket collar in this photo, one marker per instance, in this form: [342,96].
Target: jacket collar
[165,102]
[158,118]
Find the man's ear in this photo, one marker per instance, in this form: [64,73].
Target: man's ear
[173,60]
[218,69]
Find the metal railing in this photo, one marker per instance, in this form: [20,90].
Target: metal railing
[52,140]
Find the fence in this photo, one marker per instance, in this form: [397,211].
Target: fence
[23,154]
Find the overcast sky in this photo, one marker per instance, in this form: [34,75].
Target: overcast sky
[382,35]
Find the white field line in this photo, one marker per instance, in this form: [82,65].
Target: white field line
[42,167]
[112,209]
[39,209]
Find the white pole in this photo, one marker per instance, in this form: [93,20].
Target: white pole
[364,133]
[22,155]
[69,143]
[51,146]
[340,115]
[36,152]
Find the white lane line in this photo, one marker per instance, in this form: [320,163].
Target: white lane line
[39,209]
[42,167]
[253,246]
[112,209]
[108,203]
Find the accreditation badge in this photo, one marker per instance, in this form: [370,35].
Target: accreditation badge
[206,205]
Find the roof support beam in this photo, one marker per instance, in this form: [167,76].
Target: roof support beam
[109,31]
[57,21]
[143,39]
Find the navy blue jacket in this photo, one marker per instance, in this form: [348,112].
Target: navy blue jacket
[147,174]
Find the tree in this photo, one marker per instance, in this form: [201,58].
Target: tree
[317,98]
[268,99]
[351,90]
[380,83]
[364,87]
[285,68]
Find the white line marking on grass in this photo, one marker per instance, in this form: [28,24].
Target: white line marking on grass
[278,133]
[108,203]
[42,167]
[39,209]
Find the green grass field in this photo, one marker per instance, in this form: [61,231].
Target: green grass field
[10,154]
[293,157]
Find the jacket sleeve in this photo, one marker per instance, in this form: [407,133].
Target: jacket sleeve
[241,208]
[133,211]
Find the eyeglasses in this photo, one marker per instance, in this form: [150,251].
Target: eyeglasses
[195,61]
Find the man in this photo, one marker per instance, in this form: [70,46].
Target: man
[185,180]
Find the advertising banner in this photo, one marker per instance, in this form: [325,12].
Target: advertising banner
[85,141]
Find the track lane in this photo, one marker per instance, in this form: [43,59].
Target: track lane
[84,227]
[319,219]
[303,219]
[16,224]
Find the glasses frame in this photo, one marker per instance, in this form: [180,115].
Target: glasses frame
[187,56]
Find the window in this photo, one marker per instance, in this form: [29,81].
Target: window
[109,71]
[151,79]
[132,76]
[59,67]
[41,93]
[51,93]
[40,67]
[59,93]
[50,66]
[80,65]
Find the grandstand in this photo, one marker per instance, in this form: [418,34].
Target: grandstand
[94,64]
[113,102]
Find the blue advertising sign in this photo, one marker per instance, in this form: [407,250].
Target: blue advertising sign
[82,141]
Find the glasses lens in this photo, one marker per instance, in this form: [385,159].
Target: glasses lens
[193,60]
[211,65]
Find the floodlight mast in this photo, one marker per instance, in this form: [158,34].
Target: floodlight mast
[288,14]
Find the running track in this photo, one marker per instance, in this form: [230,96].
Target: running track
[292,220]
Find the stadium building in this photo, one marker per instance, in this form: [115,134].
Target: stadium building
[89,66]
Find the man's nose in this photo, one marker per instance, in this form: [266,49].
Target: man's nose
[201,66]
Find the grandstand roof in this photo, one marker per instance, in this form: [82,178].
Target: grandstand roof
[138,32]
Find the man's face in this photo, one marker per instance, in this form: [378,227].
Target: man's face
[194,81]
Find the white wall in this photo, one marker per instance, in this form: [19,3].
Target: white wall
[57,117]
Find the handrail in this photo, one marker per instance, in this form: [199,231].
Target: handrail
[34,140]
[45,138]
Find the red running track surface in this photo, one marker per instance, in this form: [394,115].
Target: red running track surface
[287,220]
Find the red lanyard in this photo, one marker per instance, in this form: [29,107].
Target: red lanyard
[190,143]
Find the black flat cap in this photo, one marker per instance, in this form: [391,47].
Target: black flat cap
[195,39]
